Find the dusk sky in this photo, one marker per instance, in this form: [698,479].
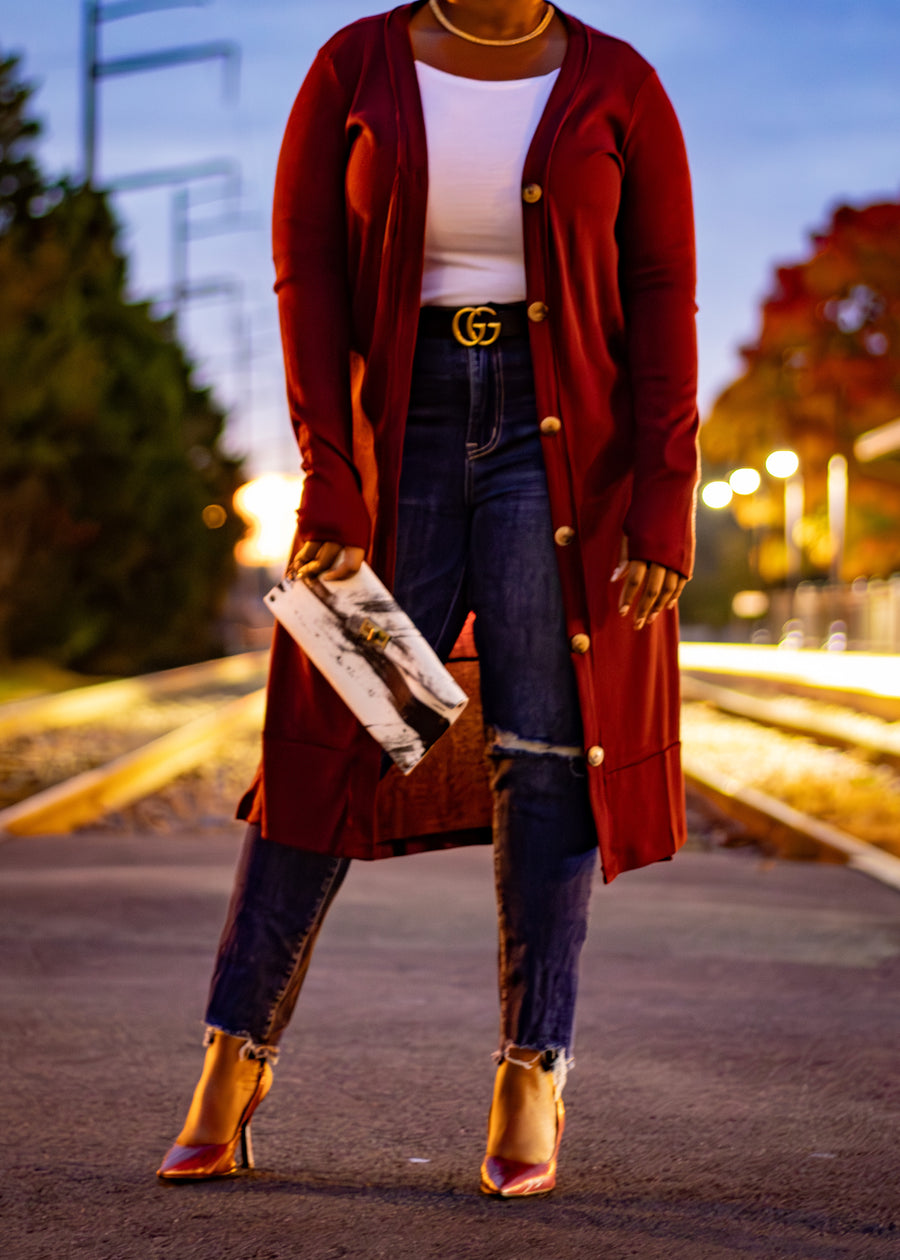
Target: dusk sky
[789,108]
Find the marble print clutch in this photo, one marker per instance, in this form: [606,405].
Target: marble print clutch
[356,634]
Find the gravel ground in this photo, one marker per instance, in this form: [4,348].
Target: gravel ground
[839,787]
[29,763]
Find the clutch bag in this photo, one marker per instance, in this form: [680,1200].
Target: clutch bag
[362,641]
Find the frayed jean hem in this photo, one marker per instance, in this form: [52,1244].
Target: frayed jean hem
[550,1058]
[250,1049]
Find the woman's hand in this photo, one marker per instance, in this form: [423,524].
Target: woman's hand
[330,560]
[652,588]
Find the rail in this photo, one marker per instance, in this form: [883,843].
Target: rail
[88,795]
[86,704]
[859,681]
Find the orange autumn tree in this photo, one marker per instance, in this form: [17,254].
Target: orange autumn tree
[824,369]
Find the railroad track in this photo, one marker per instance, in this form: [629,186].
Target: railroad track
[818,696]
[867,682]
[786,692]
[217,698]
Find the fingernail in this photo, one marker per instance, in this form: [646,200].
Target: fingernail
[623,611]
[617,572]
[639,625]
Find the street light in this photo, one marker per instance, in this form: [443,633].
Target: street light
[716,494]
[745,481]
[782,464]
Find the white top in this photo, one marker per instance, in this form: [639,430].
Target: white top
[478,135]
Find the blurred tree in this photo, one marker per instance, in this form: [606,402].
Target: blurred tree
[109,453]
[824,369]
[20,179]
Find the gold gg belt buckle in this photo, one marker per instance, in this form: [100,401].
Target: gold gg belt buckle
[475,331]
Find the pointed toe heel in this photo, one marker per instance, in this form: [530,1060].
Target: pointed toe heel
[200,1163]
[512,1179]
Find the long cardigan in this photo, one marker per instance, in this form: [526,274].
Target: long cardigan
[610,270]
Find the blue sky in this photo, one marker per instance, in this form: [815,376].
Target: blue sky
[789,107]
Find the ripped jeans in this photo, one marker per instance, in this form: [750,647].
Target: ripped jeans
[474,533]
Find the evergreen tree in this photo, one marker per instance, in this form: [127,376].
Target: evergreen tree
[21,183]
[109,453]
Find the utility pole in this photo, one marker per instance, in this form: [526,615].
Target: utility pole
[89,33]
[94,68]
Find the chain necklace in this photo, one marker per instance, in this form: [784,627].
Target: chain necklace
[494,43]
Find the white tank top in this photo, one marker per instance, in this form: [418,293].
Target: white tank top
[478,135]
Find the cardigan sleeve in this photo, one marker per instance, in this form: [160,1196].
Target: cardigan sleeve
[310,254]
[655,233]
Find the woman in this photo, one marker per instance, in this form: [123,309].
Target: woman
[485,269]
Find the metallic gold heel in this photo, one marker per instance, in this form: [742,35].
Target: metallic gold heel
[196,1163]
[512,1179]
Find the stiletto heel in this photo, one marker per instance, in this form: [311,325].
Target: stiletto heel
[194,1163]
[247,1147]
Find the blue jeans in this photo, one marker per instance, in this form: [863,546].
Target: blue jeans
[474,533]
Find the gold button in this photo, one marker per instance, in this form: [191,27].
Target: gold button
[538,311]
[595,755]
[580,643]
[532,193]
[564,535]
[551,424]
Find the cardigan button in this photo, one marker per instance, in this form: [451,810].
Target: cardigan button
[564,535]
[580,643]
[532,193]
[595,755]
[537,311]
[551,424]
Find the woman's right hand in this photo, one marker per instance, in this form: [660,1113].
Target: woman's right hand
[331,561]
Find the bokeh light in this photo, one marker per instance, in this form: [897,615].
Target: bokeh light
[214,516]
[750,605]
[716,494]
[782,463]
[745,481]
[269,506]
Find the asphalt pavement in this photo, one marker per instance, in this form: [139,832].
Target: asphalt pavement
[736,1092]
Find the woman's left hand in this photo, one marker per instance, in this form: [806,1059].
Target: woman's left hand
[651,588]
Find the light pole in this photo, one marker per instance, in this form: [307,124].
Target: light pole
[837,513]
[784,465]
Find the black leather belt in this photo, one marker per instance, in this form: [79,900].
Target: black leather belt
[474,325]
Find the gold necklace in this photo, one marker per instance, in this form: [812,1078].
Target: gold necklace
[493,43]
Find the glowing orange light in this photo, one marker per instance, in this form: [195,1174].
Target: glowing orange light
[269,506]
[214,516]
